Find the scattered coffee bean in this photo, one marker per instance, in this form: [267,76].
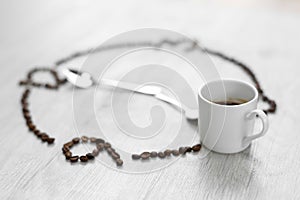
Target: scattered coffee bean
[182,150]
[100,146]
[161,155]
[93,139]
[167,152]
[145,155]
[84,139]
[175,152]
[119,162]
[69,144]
[153,154]
[68,155]
[50,140]
[95,152]
[99,140]
[106,145]
[76,140]
[196,147]
[44,137]
[74,159]
[90,156]
[115,155]
[110,150]
[65,149]
[188,149]
[83,158]
[135,156]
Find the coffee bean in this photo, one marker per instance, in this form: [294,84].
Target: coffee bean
[93,139]
[84,158]
[100,146]
[69,144]
[153,154]
[68,155]
[76,140]
[135,156]
[44,137]
[65,149]
[167,152]
[106,145]
[115,156]
[175,152]
[95,152]
[84,139]
[74,159]
[182,150]
[99,140]
[110,150]
[145,155]
[90,156]
[188,149]
[50,140]
[119,162]
[196,147]
[161,155]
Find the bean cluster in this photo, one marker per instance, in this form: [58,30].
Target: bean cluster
[100,146]
[167,153]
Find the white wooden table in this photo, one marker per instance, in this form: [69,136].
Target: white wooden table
[264,35]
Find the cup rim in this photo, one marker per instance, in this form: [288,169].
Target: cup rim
[229,80]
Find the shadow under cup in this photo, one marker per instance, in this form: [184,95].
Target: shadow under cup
[223,127]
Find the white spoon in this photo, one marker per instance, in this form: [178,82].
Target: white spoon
[84,80]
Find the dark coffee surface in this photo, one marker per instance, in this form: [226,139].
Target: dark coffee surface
[231,102]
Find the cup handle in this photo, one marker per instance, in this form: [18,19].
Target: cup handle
[264,118]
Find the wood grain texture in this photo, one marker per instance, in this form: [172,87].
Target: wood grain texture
[266,36]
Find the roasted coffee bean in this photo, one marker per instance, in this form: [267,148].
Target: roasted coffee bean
[84,158]
[196,147]
[119,162]
[50,140]
[100,146]
[182,150]
[95,152]
[175,152]
[135,156]
[161,155]
[99,140]
[90,156]
[107,145]
[69,144]
[153,154]
[76,140]
[32,127]
[68,155]
[65,149]
[74,159]
[167,152]
[84,139]
[188,149]
[115,156]
[145,155]
[93,139]
[110,150]
[44,137]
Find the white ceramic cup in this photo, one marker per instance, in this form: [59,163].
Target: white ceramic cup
[229,128]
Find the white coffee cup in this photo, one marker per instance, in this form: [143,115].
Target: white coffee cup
[229,128]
